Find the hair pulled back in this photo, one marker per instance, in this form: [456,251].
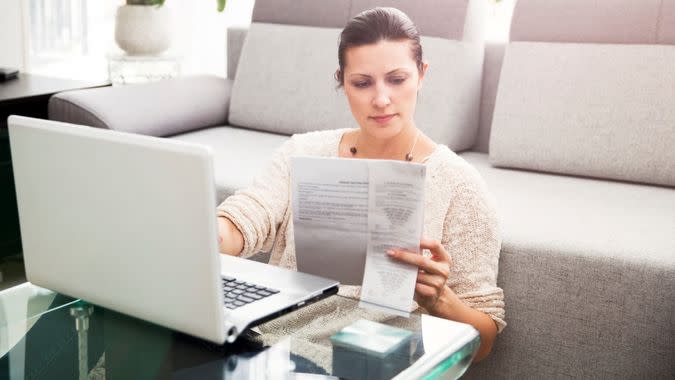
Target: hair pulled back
[375,25]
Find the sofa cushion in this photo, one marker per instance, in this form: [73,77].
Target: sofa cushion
[667,25]
[325,13]
[601,21]
[453,19]
[492,67]
[238,154]
[284,81]
[461,20]
[587,109]
[584,217]
[284,84]
[587,269]
[161,108]
[236,35]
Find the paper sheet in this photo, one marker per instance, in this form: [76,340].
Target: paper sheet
[395,219]
[330,217]
[348,212]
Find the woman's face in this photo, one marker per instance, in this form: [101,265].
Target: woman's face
[381,82]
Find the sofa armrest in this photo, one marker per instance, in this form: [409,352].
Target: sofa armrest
[161,108]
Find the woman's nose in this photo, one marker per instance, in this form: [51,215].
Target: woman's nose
[381,98]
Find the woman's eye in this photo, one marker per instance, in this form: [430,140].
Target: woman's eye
[361,84]
[396,80]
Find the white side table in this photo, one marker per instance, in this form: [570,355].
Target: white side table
[127,69]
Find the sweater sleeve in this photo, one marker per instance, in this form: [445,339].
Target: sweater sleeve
[259,209]
[472,237]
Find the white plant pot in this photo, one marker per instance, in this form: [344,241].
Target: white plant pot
[142,29]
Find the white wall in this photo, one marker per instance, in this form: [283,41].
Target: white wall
[12,35]
[499,20]
[199,36]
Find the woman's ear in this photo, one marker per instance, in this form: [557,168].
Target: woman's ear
[425,66]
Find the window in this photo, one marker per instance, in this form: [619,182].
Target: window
[69,38]
[57,27]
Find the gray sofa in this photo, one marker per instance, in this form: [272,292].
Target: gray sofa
[571,124]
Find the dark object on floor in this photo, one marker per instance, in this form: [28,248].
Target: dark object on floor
[7,73]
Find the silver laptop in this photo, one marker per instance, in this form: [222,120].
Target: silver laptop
[128,222]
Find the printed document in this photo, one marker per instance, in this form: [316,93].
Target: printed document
[348,212]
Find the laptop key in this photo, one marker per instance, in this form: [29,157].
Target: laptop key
[230,306]
[239,292]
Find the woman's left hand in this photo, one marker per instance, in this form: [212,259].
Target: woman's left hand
[432,274]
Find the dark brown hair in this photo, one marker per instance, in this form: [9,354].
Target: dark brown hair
[375,25]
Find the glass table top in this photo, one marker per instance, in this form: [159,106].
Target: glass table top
[44,334]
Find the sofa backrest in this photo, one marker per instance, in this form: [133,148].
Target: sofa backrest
[609,22]
[598,21]
[492,67]
[587,88]
[284,82]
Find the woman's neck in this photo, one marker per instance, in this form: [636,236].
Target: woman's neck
[396,147]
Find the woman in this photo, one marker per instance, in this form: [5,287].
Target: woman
[381,70]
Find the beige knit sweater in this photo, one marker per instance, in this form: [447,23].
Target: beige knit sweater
[458,211]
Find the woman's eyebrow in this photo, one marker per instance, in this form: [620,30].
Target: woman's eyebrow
[368,76]
[359,75]
[399,69]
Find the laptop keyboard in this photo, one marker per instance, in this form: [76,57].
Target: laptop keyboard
[239,293]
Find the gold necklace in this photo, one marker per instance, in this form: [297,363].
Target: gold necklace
[408,157]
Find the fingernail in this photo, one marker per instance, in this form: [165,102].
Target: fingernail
[391,252]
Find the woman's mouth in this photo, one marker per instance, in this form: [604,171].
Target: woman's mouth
[383,119]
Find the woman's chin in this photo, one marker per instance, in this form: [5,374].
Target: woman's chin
[383,131]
